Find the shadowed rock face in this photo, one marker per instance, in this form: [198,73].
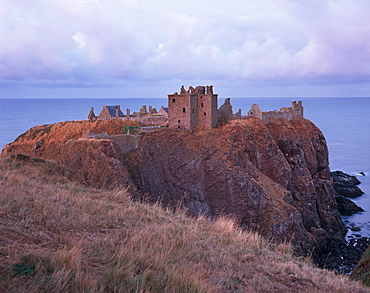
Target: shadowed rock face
[273,178]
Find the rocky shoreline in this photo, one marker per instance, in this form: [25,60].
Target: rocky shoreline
[350,252]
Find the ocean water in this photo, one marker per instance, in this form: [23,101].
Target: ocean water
[345,123]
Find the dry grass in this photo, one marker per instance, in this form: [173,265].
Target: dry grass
[59,236]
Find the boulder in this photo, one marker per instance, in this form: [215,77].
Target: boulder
[345,184]
[346,206]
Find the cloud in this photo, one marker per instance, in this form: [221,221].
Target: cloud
[94,41]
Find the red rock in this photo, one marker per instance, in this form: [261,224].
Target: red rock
[273,178]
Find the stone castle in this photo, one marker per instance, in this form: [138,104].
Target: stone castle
[195,107]
[198,107]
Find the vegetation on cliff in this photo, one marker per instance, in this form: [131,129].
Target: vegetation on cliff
[361,271]
[273,178]
[60,236]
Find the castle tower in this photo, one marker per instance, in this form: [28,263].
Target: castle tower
[192,108]
[207,107]
[182,110]
[297,109]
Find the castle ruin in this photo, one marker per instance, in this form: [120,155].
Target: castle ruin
[288,113]
[225,113]
[193,107]
[150,117]
[108,112]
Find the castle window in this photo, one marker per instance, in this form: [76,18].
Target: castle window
[183,110]
[205,114]
[178,127]
[193,111]
[178,121]
[202,105]
[173,100]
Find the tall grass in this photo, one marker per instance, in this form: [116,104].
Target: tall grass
[57,235]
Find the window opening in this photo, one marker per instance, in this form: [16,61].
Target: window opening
[183,110]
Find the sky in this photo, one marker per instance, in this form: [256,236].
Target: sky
[150,48]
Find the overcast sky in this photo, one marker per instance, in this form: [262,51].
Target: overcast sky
[149,48]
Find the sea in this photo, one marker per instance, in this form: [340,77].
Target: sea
[345,123]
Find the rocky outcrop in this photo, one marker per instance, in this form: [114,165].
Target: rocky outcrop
[97,162]
[273,178]
[209,175]
[346,185]
[346,206]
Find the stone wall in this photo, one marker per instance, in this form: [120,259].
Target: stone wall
[207,110]
[182,111]
[126,142]
[288,113]
[226,112]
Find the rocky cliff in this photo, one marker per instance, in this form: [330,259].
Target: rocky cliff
[273,178]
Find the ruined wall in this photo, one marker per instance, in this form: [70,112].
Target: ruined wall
[266,116]
[297,108]
[226,111]
[110,112]
[126,142]
[182,111]
[164,112]
[91,115]
[288,113]
[237,115]
[207,111]
[255,111]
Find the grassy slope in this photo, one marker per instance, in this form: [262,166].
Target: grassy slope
[362,269]
[59,236]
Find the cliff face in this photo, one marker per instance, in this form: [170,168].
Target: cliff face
[273,178]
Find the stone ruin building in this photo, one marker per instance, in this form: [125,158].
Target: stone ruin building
[225,113]
[198,107]
[193,107]
[288,113]
[108,112]
[150,117]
